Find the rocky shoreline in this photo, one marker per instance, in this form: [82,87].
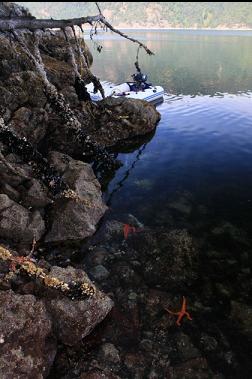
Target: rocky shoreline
[34,218]
[87,297]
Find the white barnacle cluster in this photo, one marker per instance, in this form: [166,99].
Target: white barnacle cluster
[32,270]
[70,194]
[2,123]
[5,255]
[55,283]
[87,289]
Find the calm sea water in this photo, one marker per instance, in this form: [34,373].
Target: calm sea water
[195,172]
[201,152]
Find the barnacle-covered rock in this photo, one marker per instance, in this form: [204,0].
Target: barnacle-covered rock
[114,123]
[75,317]
[128,118]
[76,214]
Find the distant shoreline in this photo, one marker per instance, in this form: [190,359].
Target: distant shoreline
[219,29]
[195,29]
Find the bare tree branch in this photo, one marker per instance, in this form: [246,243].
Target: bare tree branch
[106,23]
[99,9]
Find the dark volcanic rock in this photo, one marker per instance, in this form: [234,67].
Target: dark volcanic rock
[16,10]
[109,353]
[10,191]
[76,219]
[36,196]
[30,328]
[128,119]
[27,348]
[71,221]
[115,122]
[74,319]
[20,84]
[30,123]
[15,177]
[17,223]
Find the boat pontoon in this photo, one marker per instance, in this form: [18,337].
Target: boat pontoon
[148,92]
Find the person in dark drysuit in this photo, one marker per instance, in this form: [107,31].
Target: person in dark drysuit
[139,82]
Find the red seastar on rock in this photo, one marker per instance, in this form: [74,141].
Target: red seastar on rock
[180,314]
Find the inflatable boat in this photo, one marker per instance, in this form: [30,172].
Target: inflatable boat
[148,92]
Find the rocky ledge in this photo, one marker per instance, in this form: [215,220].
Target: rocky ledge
[32,326]
[50,198]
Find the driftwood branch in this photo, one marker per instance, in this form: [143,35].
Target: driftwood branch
[32,24]
[7,25]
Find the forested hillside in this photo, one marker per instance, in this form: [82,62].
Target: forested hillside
[154,14]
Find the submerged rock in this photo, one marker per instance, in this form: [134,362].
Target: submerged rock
[132,220]
[231,231]
[110,230]
[196,368]
[99,273]
[185,348]
[242,315]
[181,205]
[169,258]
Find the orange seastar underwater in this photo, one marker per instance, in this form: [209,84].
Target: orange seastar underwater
[128,229]
[181,313]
